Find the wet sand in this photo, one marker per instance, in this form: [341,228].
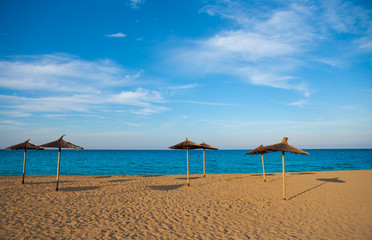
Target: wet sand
[319,205]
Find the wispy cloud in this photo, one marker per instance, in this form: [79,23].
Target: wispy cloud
[136,4]
[299,103]
[268,46]
[188,86]
[128,123]
[352,108]
[61,83]
[331,62]
[208,103]
[116,35]
[11,122]
[344,16]
[283,124]
[74,103]
[141,98]
[62,116]
[150,110]
[62,73]
[259,51]
[14,113]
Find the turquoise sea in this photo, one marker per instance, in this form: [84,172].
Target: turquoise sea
[166,162]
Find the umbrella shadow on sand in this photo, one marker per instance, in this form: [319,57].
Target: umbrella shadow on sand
[302,173]
[324,181]
[260,175]
[166,187]
[78,189]
[149,176]
[334,180]
[120,180]
[183,178]
[36,183]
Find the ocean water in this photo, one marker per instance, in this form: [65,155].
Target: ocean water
[166,162]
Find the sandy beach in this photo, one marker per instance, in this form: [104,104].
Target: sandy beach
[319,205]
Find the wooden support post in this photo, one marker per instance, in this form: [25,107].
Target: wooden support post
[283,176]
[204,160]
[24,167]
[188,181]
[59,158]
[263,168]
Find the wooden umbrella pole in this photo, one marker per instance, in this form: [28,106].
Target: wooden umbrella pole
[59,158]
[24,167]
[263,168]
[204,160]
[283,175]
[188,181]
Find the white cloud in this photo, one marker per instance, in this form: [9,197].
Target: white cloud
[331,62]
[234,10]
[299,103]
[248,45]
[75,103]
[61,73]
[268,46]
[140,97]
[260,51]
[128,123]
[116,35]
[208,103]
[283,124]
[344,16]
[352,108]
[11,122]
[365,43]
[188,86]
[63,83]
[14,113]
[150,110]
[136,4]
[55,115]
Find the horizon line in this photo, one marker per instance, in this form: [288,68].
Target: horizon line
[150,149]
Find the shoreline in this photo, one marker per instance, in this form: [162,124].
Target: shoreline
[166,149]
[320,205]
[191,174]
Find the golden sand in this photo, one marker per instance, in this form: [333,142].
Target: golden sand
[319,205]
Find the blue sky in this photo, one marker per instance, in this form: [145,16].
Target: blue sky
[146,74]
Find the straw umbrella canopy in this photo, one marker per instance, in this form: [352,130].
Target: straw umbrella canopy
[60,143]
[260,150]
[186,145]
[25,145]
[283,146]
[206,146]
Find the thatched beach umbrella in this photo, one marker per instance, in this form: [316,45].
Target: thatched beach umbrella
[260,150]
[25,145]
[206,146]
[283,146]
[186,145]
[60,143]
